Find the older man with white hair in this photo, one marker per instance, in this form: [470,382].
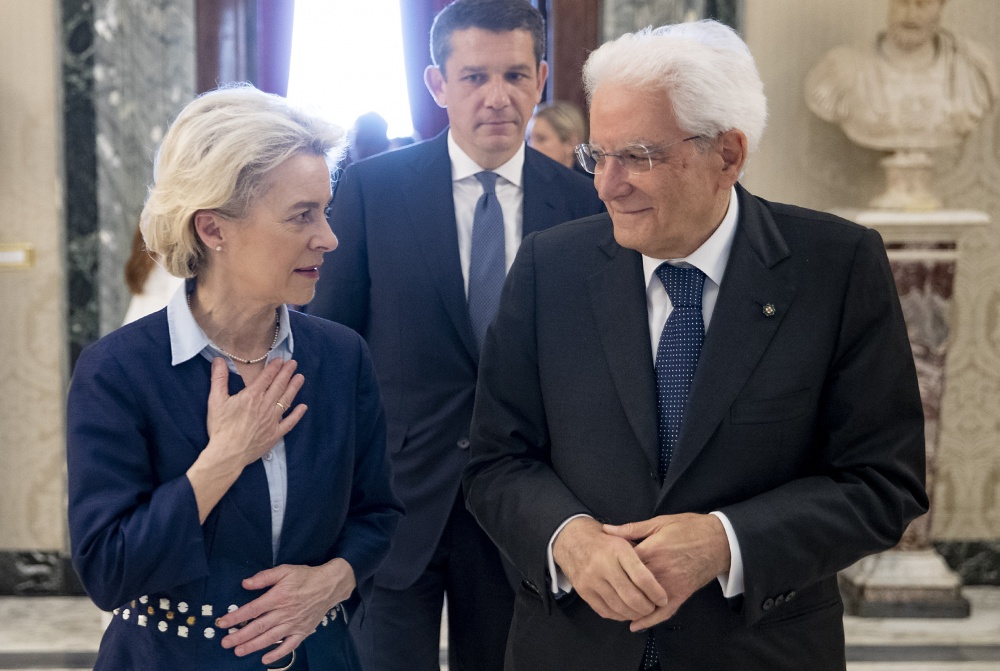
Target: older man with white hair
[695,409]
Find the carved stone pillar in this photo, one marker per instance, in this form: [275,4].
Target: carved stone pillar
[912,580]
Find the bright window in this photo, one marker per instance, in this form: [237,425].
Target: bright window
[347,59]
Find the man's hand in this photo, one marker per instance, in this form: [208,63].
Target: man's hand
[296,601]
[684,552]
[606,572]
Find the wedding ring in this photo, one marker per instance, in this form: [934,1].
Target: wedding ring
[281,405]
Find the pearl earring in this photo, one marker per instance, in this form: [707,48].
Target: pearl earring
[218,248]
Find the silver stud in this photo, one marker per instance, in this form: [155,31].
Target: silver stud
[206,611]
[182,607]
[141,620]
[164,604]
[182,631]
[161,625]
[143,599]
[233,630]
[231,608]
[114,612]
[769,310]
[325,620]
[126,613]
[209,632]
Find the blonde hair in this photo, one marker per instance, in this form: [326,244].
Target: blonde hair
[217,155]
[565,118]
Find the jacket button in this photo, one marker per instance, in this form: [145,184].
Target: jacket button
[768,604]
[463,443]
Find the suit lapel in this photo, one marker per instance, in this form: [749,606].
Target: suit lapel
[618,297]
[541,201]
[247,499]
[430,213]
[739,331]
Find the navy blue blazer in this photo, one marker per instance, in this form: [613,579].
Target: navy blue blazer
[803,425]
[396,278]
[136,424]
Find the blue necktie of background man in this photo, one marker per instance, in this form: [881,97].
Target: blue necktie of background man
[487,262]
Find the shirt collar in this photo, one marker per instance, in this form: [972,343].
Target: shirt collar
[187,340]
[713,255]
[462,165]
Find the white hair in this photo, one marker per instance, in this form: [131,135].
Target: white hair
[218,155]
[703,66]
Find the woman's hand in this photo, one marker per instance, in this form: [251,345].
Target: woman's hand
[245,426]
[241,428]
[298,598]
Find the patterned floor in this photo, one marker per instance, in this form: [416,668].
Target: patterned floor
[62,634]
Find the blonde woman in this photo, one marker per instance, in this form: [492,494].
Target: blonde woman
[555,130]
[229,494]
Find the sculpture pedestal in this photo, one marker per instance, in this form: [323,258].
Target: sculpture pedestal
[912,580]
[903,583]
[907,183]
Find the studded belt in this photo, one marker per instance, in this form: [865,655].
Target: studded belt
[190,620]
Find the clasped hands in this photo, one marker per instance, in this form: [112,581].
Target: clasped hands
[295,602]
[642,571]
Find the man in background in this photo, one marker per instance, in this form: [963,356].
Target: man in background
[694,410]
[426,235]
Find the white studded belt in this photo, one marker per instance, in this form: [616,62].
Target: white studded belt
[190,620]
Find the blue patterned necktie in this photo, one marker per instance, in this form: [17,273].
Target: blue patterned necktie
[676,360]
[487,263]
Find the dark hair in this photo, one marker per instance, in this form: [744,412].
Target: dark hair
[497,16]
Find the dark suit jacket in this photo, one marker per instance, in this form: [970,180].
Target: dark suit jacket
[136,424]
[805,428]
[396,279]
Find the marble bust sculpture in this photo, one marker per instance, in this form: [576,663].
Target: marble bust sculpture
[918,88]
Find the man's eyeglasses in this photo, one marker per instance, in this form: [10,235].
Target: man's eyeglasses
[634,158]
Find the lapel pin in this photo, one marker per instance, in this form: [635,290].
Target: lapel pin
[769,310]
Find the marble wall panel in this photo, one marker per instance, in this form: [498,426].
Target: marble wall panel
[143,74]
[806,161]
[80,170]
[32,357]
[623,16]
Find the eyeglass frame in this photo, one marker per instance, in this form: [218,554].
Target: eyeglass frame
[581,151]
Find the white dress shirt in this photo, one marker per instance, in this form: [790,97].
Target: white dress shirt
[466,190]
[187,340]
[711,259]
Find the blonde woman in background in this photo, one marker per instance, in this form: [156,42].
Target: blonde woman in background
[555,130]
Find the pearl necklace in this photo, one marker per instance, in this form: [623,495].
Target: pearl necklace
[277,330]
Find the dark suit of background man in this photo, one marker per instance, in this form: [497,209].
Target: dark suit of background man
[800,445]
[400,277]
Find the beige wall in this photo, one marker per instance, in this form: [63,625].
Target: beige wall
[808,162]
[32,352]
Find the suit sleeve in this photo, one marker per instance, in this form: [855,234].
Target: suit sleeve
[510,486]
[129,535]
[343,288]
[868,482]
[373,510]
